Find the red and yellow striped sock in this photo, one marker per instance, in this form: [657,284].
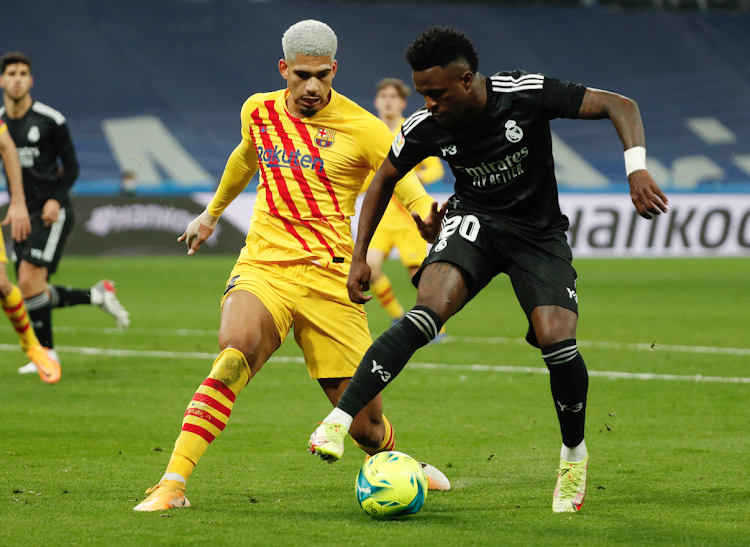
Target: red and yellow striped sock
[388,444]
[384,293]
[15,309]
[209,410]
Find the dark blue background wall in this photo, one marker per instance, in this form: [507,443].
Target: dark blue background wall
[193,64]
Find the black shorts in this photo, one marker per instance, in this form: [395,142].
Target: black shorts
[538,262]
[45,244]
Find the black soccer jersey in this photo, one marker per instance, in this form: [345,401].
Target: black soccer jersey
[41,137]
[503,161]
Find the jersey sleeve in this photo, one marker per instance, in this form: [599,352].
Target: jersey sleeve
[430,170]
[241,166]
[411,194]
[67,154]
[374,139]
[407,150]
[561,99]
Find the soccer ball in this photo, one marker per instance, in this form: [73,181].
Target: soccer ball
[391,485]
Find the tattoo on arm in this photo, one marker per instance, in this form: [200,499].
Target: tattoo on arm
[623,112]
[592,107]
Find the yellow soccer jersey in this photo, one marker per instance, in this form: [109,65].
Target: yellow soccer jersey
[311,171]
[430,169]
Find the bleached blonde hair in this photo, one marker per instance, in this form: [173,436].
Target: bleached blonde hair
[309,37]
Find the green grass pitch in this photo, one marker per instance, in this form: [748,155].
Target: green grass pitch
[669,455]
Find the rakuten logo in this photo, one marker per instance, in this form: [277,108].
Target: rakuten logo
[278,157]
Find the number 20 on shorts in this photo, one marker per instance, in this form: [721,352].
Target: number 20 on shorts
[468,227]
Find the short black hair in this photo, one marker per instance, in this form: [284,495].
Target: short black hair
[441,46]
[12,58]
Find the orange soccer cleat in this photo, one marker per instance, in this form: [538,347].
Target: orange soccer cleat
[48,368]
[165,495]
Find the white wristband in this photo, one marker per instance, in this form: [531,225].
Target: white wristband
[208,220]
[635,159]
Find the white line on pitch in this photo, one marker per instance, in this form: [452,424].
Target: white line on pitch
[450,339]
[136,331]
[423,366]
[598,373]
[499,340]
[145,353]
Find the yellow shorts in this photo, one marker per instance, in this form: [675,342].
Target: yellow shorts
[397,229]
[3,255]
[330,329]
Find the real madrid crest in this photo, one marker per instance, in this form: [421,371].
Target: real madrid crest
[512,132]
[34,134]
[324,137]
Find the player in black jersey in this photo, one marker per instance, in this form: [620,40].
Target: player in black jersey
[503,218]
[42,138]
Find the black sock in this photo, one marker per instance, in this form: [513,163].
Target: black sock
[61,297]
[40,313]
[570,383]
[388,356]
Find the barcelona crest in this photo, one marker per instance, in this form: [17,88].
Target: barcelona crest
[324,138]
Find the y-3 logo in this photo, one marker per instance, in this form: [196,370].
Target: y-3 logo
[575,408]
[448,150]
[384,374]
[572,294]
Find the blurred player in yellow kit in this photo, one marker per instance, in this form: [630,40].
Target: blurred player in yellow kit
[314,149]
[10,295]
[397,228]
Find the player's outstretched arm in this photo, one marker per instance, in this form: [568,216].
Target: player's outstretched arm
[18,214]
[241,166]
[376,200]
[646,195]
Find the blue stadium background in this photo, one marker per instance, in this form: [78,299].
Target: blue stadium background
[191,64]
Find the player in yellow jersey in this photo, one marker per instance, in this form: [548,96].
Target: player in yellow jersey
[314,148]
[10,295]
[397,228]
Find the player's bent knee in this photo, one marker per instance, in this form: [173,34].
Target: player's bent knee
[248,343]
[443,289]
[380,436]
[548,337]
[231,369]
[32,280]
[368,436]
[553,324]
[6,287]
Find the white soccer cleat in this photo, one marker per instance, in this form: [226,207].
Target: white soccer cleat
[327,442]
[436,479]
[28,368]
[107,300]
